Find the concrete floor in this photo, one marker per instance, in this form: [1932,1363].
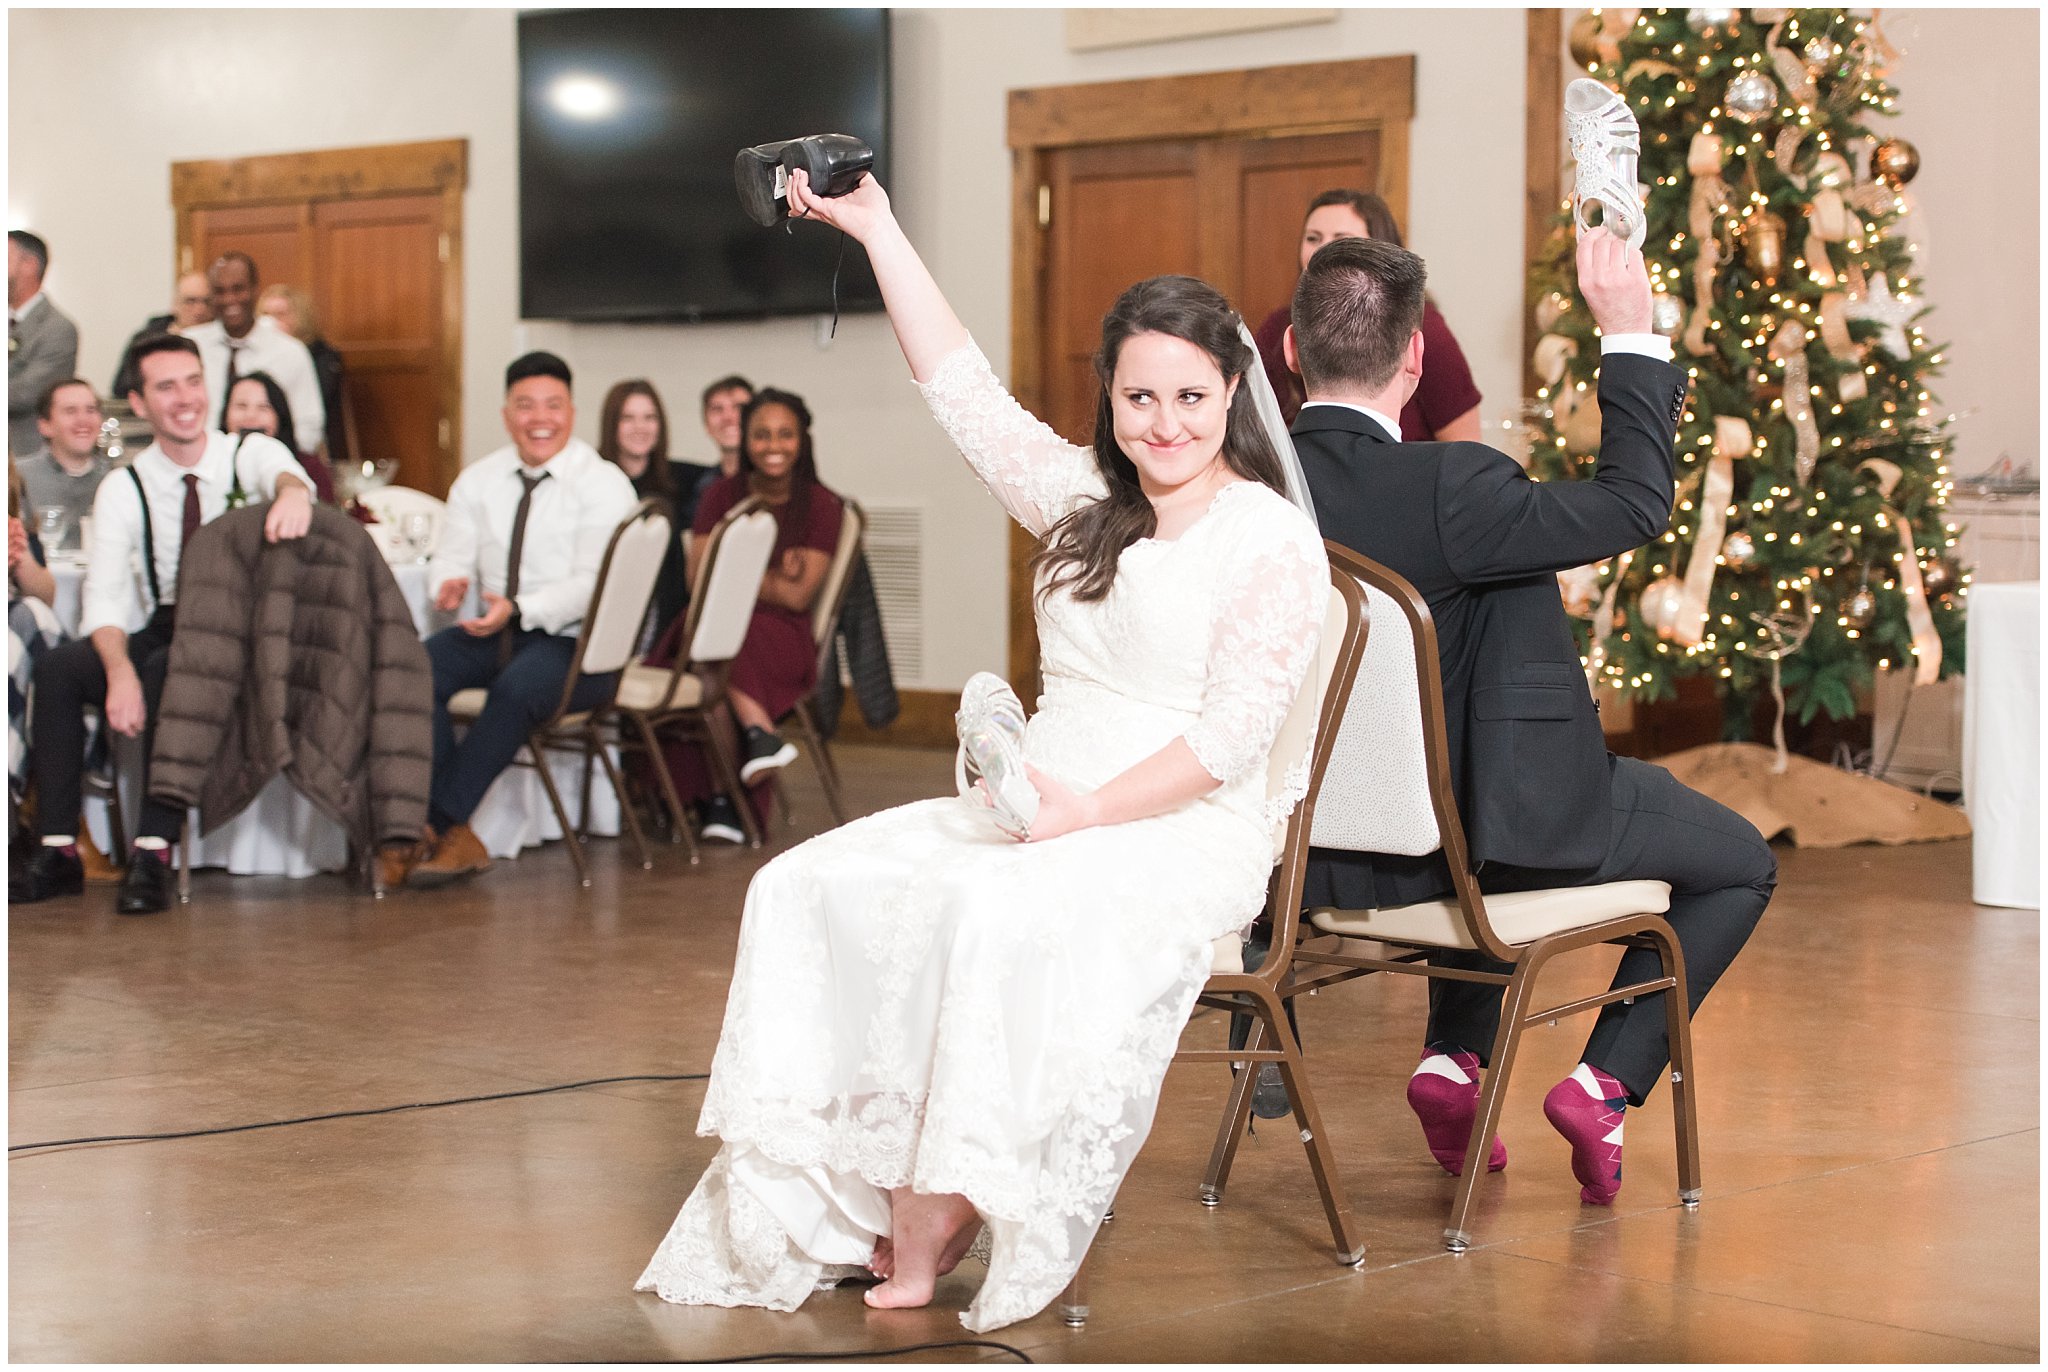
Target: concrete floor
[1869,1077]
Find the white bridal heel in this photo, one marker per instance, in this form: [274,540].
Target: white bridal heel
[991,725]
[1605,146]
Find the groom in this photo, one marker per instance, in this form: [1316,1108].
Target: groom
[1543,802]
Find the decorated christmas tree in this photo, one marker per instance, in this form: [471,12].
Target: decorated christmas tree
[1809,545]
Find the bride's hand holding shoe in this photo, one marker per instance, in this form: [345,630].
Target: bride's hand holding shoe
[1060,810]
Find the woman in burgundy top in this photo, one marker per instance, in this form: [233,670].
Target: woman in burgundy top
[778,663]
[1446,404]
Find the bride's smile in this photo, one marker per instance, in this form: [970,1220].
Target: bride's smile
[1171,406]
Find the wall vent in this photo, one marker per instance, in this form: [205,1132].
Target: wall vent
[895,548]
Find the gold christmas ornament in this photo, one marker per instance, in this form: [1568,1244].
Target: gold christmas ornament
[1750,97]
[1585,39]
[1763,244]
[1895,162]
[1708,22]
[1737,550]
[1662,600]
[1860,609]
[1667,314]
[1941,576]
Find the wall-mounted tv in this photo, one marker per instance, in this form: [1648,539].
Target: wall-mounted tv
[628,124]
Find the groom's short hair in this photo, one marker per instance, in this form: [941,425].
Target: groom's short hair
[1358,303]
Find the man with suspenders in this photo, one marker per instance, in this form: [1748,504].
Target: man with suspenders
[141,519]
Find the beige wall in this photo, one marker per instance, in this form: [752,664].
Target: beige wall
[92,175]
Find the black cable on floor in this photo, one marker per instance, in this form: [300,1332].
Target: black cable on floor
[858,1355]
[354,1114]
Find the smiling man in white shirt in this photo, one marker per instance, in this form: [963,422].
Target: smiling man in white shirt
[142,516]
[241,341]
[528,525]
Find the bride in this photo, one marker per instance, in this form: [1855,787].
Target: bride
[932,1026]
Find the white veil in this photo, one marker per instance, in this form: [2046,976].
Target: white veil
[1268,407]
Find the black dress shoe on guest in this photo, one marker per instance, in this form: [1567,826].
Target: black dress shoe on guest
[47,873]
[722,821]
[1269,1093]
[761,751]
[146,888]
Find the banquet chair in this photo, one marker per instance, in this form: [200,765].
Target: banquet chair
[690,695]
[824,632]
[1306,734]
[1388,790]
[391,504]
[625,582]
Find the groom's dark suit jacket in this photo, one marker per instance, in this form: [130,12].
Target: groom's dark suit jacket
[1483,544]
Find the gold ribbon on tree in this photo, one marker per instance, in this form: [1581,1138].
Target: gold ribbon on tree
[1732,439]
[1789,347]
[1603,622]
[1792,71]
[1553,352]
[1834,336]
[1704,160]
[1919,618]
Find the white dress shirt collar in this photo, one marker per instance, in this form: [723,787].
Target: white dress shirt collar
[18,315]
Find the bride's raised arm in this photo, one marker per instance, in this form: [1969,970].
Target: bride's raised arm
[1036,475]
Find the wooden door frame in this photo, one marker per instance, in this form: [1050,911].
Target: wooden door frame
[438,168]
[1371,94]
[1542,134]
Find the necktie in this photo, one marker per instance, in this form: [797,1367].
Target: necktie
[191,524]
[518,546]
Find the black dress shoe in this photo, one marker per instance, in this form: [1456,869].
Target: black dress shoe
[48,872]
[146,889]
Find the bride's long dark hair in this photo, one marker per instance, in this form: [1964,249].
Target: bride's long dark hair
[1081,551]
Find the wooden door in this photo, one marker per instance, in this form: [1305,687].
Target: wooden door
[1209,176]
[374,236]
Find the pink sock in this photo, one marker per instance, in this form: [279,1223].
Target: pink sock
[1587,1108]
[1444,1094]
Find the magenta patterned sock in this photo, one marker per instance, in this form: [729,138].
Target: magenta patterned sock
[1444,1094]
[1587,1108]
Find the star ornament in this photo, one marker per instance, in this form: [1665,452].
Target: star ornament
[1890,312]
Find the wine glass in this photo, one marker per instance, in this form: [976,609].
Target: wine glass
[416,527]
[51,521]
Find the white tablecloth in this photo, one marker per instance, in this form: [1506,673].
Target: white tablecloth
[281,833]
[2002,743]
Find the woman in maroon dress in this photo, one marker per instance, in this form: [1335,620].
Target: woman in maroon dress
[1446,405]
[778,664]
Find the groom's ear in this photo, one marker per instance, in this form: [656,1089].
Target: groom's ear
[1290,352]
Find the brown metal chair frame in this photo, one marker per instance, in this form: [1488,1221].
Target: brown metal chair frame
[1332,965]
[1263,993]
[852,531]
[585,732]
[707,722]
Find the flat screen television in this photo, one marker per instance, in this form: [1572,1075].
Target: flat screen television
[628,124]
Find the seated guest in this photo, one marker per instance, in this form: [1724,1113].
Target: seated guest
[140,520]
[258,405]
[722,402]
[42,345]
[1544,803]
[191,306]
[294,312]
[65,471]
[632,435]
[240,341]
[32,629]
[778,663]
[528,524]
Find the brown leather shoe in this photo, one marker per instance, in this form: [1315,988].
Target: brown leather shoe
[395,861]
[458,853]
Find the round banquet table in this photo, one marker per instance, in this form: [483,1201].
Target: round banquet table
[281,833]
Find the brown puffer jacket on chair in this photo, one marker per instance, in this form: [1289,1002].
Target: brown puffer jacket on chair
[298,657]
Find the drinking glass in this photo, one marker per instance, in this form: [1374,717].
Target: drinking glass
[51,522]
[416,527]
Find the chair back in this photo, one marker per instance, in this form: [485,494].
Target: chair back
[625,583]
[736,554]
[391,504]
[1388,786]
[853,522]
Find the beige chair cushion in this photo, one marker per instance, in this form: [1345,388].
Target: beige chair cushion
[467,705]
[641,687]
[1519,917]
[1226,955]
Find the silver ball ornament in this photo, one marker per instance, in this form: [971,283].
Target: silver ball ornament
[1707,22]
[1821,51]
[1860,609]
[1737,550]
[1661,602]
[1750,97]
[1667,314]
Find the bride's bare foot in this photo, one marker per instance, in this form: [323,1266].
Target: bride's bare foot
[927,1230]
[883,1263]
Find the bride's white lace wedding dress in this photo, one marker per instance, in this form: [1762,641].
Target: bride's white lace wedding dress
[919,999]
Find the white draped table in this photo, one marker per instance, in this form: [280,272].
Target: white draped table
[281,833]
[2002,743]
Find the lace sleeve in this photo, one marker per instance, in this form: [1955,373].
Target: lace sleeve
[1032,472]
[1269,619]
